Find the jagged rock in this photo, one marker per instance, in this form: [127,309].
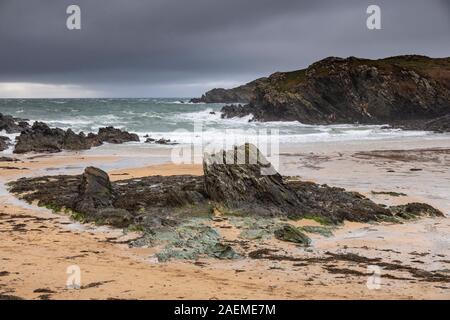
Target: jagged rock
[353,90]
[241,94]
[4,143]
[11,124]
[292,234]
[113,135]
[95,199]
[242,179]
[234,111]
[95,190]
[41,138]
[150,140]
[237,182]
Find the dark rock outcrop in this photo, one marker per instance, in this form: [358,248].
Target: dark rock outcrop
[234,111]
[160,141]
[117,136]
[249,188]
[354,90]
[94,191]
[4,143]
[243,94]
[242,179]
[95,199]
[11,124]
[41,138]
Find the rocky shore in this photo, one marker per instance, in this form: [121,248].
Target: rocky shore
[41,138]
[410,90]
[164,207]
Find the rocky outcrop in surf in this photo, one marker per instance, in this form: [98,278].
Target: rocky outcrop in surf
[353,90]
[4,143]
[41,138]
[11,124]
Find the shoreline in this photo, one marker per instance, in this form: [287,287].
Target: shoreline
[112,270]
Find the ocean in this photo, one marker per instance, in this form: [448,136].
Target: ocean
[180,121]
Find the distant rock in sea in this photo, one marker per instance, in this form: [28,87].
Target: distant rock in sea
[352,90]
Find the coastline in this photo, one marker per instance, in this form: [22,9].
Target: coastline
[37,252]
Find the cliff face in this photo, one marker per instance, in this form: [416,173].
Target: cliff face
[242,94]
[351,90]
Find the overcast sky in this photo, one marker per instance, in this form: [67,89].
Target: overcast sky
[181,48]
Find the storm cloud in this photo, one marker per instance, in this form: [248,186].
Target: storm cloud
[184,47]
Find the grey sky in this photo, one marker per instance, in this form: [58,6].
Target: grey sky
[160,48]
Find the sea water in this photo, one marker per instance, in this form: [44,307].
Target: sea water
[180,121]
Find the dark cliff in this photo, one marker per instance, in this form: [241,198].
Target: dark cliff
[353,90]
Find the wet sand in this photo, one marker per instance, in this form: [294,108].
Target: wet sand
[37,246]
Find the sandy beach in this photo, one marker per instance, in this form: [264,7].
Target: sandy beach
[37,245]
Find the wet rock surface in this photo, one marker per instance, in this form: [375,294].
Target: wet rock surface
[11,124]
[4,143]
[41,138]
[117,136]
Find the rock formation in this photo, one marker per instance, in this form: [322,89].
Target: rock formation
[243,180]
[41,138]
[4,143]
[11,124]
[243,94]
[117,136]
[238,188]
[95,199]
[353,90]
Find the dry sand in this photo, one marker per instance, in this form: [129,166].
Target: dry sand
[37,246]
